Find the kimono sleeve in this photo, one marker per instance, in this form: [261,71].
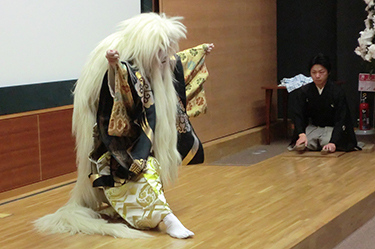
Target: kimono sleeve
[119,123]
[195,75]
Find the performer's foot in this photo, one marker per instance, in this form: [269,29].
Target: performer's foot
[175,228]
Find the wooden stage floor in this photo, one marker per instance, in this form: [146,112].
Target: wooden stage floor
[282,202]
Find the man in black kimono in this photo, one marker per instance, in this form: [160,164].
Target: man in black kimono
[321,115]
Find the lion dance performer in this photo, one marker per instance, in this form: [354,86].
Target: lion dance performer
[130,121]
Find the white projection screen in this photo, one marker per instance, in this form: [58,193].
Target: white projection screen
[49,40]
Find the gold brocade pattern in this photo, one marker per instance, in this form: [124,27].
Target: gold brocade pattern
[141,201]
[137,166]
[123,100]
[144,91]
[182,124]
[147,129]
[195,73]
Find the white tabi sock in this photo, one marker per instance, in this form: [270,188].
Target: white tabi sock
[175,227]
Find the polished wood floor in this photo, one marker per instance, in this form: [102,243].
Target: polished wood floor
[282,202]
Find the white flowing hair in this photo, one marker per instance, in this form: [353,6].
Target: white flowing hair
[139,40]
[159,36]
[165,142]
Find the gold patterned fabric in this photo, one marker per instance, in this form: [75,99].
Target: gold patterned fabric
[141,201]
[122,102]
[195,74]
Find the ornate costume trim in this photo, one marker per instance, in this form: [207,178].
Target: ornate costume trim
[118,182]
[93,177]
[122,81]
[144,90]
[147,129]
[122,103]
[102,164]
[193,151]
[183,124]
[137,166]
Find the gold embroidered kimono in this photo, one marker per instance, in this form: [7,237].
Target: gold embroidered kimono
[122,160]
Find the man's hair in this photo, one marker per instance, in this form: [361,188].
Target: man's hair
[320,59]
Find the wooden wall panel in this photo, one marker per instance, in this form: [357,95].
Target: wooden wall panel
[19,152]
[35,146]
[244,59]
[56,143]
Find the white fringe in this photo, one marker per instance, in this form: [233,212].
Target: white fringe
[73,218]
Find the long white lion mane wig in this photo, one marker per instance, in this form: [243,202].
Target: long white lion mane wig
[139,40]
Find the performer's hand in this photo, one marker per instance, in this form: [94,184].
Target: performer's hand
[112,57]
[209,48]
[331,147]
[302,139]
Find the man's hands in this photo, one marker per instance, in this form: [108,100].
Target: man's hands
[302,139]
[331,147]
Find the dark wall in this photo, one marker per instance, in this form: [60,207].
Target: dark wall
[32,97]
[350,21]
[146,6]
[305,28]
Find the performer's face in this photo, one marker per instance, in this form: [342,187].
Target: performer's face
[319,74]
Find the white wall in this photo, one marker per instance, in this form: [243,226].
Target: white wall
[49,40]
